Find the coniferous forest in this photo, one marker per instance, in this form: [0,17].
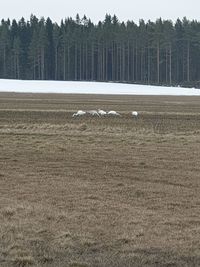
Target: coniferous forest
[160,52]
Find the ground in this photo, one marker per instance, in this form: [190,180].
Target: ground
[99,192]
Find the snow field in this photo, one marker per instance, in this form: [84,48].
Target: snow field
[72,87]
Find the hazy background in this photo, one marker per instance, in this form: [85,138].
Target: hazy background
[96,10]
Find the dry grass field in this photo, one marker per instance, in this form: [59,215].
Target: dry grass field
[99,192]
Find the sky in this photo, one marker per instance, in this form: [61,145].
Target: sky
[96,10]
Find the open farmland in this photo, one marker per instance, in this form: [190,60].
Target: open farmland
[99,192]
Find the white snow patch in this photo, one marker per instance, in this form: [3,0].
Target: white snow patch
[66,87]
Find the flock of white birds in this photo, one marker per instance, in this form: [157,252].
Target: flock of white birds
[100,113]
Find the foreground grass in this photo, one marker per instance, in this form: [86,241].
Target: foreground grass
[99,192]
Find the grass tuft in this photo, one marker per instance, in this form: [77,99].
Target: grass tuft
[23,261]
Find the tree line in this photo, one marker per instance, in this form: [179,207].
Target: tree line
[160,52]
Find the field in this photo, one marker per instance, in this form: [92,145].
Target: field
[99,192]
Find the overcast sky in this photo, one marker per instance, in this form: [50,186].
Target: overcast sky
[96,10]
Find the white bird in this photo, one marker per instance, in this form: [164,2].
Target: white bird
[102,112]
[93,112]
[114,113]
[134,113]
[79,113]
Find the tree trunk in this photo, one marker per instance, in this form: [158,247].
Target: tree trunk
[188,61]
[75,64]
[4,62]
[68,63]
[42,64]
[136,63]
[170,64]
[123,61]
[64,63]
[80,62]
[128,63]
[56,63]
[166,65]
[92,63]
[149,66]
[158,62]
[133,63]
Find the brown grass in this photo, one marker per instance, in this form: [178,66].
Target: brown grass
[99,192]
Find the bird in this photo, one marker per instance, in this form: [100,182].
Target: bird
[114,113]
[134,113]
[93,112]
[79,113]
[102,112]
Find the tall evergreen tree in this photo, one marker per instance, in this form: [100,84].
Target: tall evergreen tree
[159,52]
